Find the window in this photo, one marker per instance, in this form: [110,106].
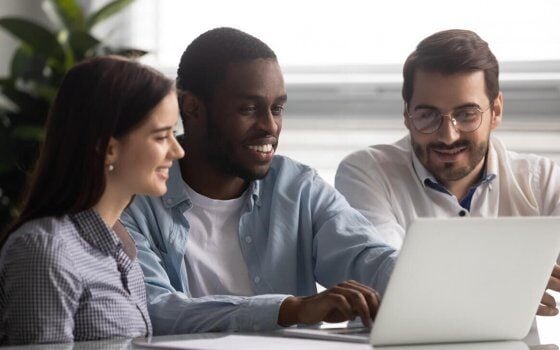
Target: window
[343,61]
[354,32]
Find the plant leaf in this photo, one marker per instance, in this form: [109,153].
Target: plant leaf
[6,156]
[106,11]
[37,37]
[29,132]
[26,65]
[67,11]
[24,102]
[69,59]
[5,121]
[44,91]
[123,51]
[82,43]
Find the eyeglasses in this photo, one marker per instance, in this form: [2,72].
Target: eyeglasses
[429,120]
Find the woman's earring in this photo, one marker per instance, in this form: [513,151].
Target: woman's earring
[110,167]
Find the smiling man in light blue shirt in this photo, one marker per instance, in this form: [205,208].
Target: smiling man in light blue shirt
[242,236]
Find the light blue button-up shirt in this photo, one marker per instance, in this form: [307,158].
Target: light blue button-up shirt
[295,230]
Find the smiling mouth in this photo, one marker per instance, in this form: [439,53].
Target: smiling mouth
[450,152]
[163,171]
[267,148]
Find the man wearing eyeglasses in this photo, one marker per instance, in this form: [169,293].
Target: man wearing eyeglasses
[450,165]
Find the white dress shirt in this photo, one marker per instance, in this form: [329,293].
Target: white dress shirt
[386,183]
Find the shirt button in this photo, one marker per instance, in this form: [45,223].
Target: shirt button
[169,200]
[257,279]
[462,213]
[248,239]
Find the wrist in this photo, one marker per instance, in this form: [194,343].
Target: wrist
[288,315]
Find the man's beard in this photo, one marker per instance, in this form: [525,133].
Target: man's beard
[220,155]
[449,171]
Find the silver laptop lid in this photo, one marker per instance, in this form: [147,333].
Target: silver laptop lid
[469,279]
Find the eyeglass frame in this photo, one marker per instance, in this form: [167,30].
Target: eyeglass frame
[451,118]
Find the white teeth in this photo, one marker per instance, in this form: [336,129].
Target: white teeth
[261,148]
[450,151]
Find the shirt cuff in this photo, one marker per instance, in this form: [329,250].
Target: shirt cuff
[264,311]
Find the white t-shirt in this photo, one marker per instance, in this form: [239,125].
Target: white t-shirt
[386,183]
[215,265]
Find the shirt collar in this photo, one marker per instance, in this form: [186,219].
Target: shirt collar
[255,188]
[177,193]
[492,161]
[96,232]
[421,172]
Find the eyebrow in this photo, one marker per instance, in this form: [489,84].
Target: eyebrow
[466,105]
[281,99]
[165,128]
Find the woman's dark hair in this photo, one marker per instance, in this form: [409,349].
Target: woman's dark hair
[99,98]
[449,52]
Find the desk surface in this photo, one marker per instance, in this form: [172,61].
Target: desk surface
[545,336]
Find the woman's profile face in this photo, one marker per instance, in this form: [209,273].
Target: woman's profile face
[145,155]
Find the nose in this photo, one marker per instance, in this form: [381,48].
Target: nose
[448,132]
[269,123]
[176,150]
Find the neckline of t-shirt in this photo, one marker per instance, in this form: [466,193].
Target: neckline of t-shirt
[206,202]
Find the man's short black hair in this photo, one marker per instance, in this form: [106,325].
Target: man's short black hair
[203,64]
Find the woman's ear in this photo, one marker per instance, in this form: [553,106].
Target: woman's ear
[111,155]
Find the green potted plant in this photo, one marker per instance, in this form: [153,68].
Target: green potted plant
[37,68]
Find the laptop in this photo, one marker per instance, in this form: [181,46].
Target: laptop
[461,280]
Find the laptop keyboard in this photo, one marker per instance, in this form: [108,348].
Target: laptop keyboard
[357,331]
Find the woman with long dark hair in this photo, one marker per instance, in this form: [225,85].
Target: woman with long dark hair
[68,268]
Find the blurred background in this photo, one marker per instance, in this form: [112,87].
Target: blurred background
[342,62]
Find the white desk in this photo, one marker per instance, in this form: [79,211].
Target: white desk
[545,336]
